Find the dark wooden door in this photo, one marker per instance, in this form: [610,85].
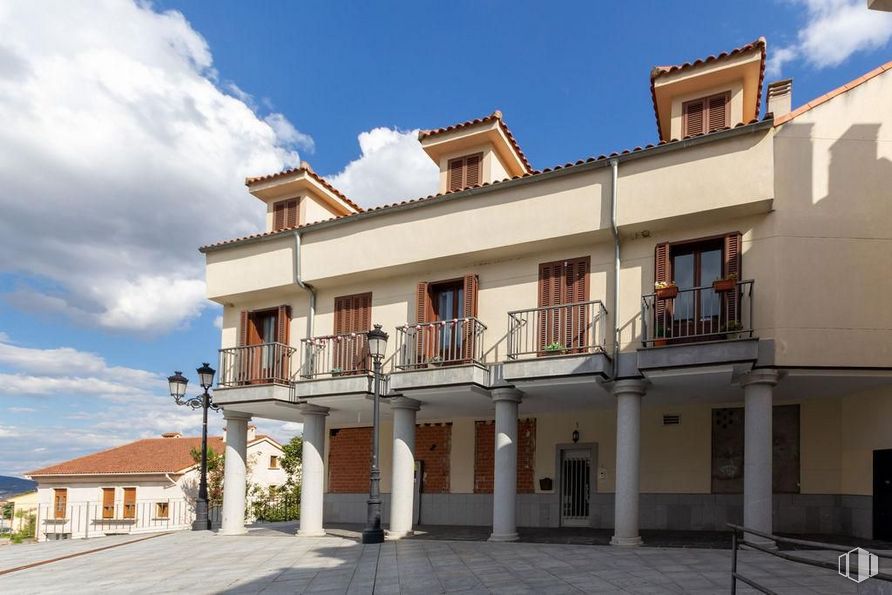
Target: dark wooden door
[696,313]
[448,300]
[882,494]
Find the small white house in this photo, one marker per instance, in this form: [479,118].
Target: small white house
[144,486]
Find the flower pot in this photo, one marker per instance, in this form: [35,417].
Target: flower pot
[724,285]
[661,342]
[667,293]
[546,484]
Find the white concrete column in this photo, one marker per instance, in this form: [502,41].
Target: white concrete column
[402,490]
[758,389]
[628,460]
[235,478]
[504,496]
[312,471]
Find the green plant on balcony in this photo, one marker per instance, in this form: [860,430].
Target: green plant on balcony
[660,336]
[555,348]
[733,330]
[435,361]
[337,372]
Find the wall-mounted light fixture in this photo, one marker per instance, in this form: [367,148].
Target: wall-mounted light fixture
[576,434]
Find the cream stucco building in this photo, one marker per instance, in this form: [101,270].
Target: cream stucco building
[674,336]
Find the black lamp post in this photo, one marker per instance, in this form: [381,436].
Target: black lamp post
[373,533]
[178,384]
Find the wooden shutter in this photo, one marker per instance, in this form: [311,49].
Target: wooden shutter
[662,273]
[718,111]
[285,214]
[283,324]
[243,328]
[575,290]
[353,314]
[456,174]
[424,312]
[472,171]
[291,213]
[732,266]
[550,275]
[129,503]
[692,117]
[108,503]
[469,308]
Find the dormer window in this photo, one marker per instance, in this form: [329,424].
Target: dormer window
[464,172]
[706,114]
[285,214]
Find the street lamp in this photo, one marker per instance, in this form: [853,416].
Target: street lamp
[373,533]
[178,384]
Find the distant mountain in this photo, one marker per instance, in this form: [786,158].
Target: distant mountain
[10,486]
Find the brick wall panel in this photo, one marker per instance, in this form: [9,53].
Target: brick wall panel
[349,460]
[484,456]
[433,445]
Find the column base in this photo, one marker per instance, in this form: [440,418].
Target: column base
[398,534]
[504,537]
[311,532]
[231,533]
[626,541]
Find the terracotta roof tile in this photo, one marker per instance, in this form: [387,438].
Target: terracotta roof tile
[658,71]
[497,116]
[305,168]
[432,197]
[835,92]
[151,455]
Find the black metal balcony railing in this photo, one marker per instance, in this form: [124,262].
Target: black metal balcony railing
[335,355]
[575,328]
[268,363]
[443,342]
[697,314]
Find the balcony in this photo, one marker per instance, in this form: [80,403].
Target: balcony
[333,356]
[566,342]
[267,363]
[698,326]
[431,356]
[557,330]
[440,343]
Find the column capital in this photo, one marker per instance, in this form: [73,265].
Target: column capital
[506,393]
[767,376]
[313,410]
[401,402]
[635,386]
[230,414]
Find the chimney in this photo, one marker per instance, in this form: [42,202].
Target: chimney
[171,435]
[252,432]
[780,97]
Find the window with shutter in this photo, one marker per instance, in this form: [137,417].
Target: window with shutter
[60,502]
[352,317]
[285,214]
[108,503]
[705,114]
[562,283]
[129,503]
[465,172]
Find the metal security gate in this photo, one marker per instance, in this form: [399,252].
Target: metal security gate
[575,487]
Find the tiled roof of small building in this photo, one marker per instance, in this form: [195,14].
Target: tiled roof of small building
[151,455]
[304,167]
[658,71]
[495,116]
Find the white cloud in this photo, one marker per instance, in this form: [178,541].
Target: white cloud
[218,322]
[834,30]
[392,167]
[121,155]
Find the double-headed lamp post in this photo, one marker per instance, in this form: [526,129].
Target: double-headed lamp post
[178,384]
[373,533]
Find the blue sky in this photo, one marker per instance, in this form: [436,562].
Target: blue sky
[132,135]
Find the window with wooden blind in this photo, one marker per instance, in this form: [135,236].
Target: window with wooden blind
[564,329]
[352,320]
[129,503]
[60,502]
[285,214]
[162,510]
[464,172]
[455,303]
[706,114]
[273,462]
[108,503]
[268,331]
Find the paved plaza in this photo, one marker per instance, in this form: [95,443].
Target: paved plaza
[272,560]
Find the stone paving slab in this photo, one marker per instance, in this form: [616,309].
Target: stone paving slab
[270,561]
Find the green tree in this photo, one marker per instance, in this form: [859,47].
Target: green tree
[216,465]
[292,459]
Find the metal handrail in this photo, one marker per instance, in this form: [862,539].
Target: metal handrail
[439,342]
[736,542]
[572,326]
[344,354]
[725,316]
[266,363]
